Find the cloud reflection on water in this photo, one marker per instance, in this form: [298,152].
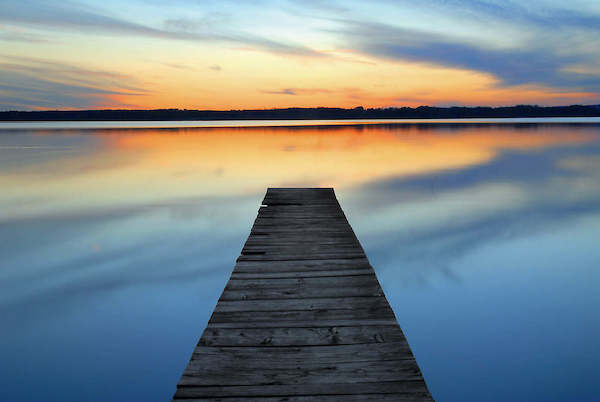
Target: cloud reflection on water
[429,221]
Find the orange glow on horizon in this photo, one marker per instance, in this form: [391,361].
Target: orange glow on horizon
[255,80]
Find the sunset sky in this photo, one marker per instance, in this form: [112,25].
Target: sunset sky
[262,54]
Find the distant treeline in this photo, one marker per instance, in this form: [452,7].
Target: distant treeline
[421,112]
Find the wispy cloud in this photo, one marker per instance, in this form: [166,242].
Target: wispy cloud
[70,15]
[297,91]
[30,83]
[285,91]
[179,66]
[528,64]
[12,34]
[67,14]
[204,30]
[544,14]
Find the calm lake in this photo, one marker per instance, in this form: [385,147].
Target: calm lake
[115,244]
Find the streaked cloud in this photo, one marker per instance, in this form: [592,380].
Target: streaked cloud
[484,51]
[179,66]
[30,83]
[542,64]
[75,16]
[285,91]
[12,34]
[297,91]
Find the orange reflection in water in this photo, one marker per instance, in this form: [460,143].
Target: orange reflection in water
[149,165]
[338,156]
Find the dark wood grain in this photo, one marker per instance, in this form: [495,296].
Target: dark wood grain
[301,274]
[406,388]
[323,398]
[318,336]
[319,303]
[303,316]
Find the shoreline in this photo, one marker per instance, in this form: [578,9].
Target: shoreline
[171,124]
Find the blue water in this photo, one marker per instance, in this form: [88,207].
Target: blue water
[115,245]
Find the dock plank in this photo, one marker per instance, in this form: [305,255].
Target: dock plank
[301,293]
[303,316]
[322,398]
[306,265]
[259,372]
[301,274]
[302,324]
[407,388]
[330,303]
[326,282]
[318,336]
[313,353]
[281,317]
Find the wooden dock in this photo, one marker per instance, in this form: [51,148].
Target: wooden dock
[303,317]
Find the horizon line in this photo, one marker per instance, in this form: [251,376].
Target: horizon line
[356,108]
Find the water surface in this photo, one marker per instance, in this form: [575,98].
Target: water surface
[116,244]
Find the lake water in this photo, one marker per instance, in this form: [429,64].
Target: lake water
[116,243]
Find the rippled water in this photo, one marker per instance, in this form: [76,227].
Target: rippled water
[116,243]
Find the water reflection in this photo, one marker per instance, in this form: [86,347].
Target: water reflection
[116,244]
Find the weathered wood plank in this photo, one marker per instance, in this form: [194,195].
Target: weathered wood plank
[256,372]
[316,248]
[287,196]
[303,316]
[281,317]
[301,265]
[272,201]
[404,388]
[301,293]
[302,324]
[326,282]
[298,230]
[312,222]
[321,398]
[302,274]
[337,303]
[318,354]
[282,336]
[283,237]
[331,209]
[306,253]
[259,256]
[291,242]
